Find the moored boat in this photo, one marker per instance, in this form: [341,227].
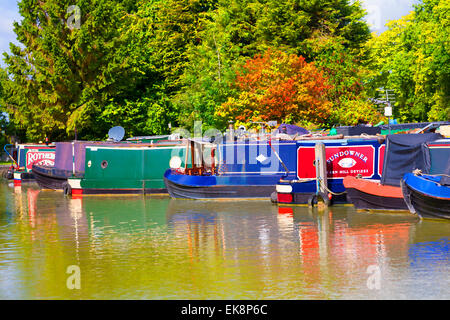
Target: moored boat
[403,153]
[246,169]
[27,155]
[262,164]
[69,161]
[126,169]
[428,196]
[343,157]
[372,195]
[48,177]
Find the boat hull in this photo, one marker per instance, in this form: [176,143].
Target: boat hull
[367,201]
[370,195]
[421,198]
[182,191]
[50,178]
[74,187]
[20,177]
[117,191]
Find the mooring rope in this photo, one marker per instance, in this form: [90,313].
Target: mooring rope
[418,172]
[313,179]
[297,181]
[333,193]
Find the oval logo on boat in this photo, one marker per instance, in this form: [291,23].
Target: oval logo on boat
[347,162]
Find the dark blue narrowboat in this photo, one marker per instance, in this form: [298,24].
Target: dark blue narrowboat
[428,196]
[252,169]
[239,169]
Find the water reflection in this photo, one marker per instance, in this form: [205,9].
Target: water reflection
[158,248]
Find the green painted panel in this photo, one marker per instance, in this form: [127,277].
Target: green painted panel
[111,184]
[117,163]
[156,161]
[128,168]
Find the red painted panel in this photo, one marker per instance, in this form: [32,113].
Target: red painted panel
[284,197]
[381,150]
[46,158]
[341,161]
[77,191]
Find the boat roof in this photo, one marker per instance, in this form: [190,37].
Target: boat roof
[439,141]
[148,137]
[401,126]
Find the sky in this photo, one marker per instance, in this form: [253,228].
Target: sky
[378,13]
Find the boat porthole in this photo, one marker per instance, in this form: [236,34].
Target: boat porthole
[104,164]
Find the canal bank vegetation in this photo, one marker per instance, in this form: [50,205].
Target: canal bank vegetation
[145,64]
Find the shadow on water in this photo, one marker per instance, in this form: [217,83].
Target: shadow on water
[149,247]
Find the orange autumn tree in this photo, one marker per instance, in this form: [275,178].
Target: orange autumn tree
[278,86]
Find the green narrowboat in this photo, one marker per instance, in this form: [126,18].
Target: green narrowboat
[127,170]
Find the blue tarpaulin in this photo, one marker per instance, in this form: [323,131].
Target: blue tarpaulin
[291,129]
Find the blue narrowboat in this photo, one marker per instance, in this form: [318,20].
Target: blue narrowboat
[428,196]
[239,169]
[252,169]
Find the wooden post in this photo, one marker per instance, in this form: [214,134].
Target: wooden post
[213,162]
[321,172]
[194,160]
[186,156]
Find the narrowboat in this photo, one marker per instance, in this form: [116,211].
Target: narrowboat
[252,169]
[340,158]
[27,155]
[126,169]
[428,196]
[403,153]
[233,169]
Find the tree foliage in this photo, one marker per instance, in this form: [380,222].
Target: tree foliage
[412,58]
[143,64]
[62,77]
[278,86]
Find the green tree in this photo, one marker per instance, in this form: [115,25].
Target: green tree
[412,57]
[161,34]
[63,74]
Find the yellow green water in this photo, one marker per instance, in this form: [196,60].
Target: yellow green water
[143,247]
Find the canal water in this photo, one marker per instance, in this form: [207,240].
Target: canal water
[149,247]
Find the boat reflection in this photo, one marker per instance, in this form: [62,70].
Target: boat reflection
[326,246]
[214,249]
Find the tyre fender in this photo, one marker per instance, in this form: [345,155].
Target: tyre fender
[67,189]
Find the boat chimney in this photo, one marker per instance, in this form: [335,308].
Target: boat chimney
[230,135]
